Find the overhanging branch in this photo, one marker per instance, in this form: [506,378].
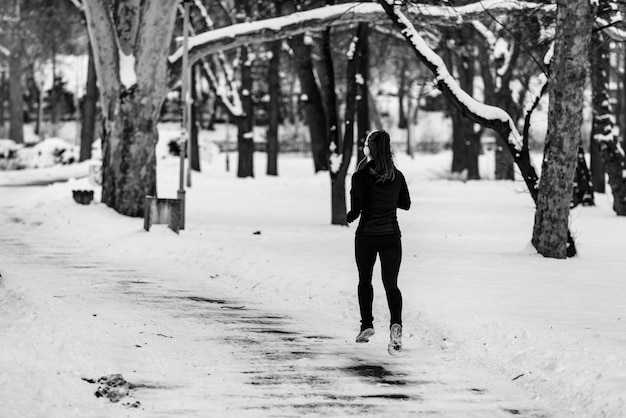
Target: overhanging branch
[318,19]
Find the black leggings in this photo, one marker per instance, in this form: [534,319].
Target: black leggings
[389,247]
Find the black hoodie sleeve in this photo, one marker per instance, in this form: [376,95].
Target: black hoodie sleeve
[356,193]
[404,200]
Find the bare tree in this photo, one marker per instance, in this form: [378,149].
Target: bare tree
[568,72]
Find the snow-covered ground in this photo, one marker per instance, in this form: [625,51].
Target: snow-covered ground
[481,308]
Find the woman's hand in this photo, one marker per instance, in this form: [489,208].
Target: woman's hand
[351,216]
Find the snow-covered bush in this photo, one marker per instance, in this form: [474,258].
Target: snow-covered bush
[49,152]
[52,151]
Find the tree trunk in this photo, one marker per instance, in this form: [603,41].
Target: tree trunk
[194,157]
[130,117]
[401,94]
[465,142]
[3,94]
[245,123]
[362,96]
[340,162]
[410,126]
[16,101]
[131,136]
[55,90]
[338,187]
[598,172]
[313,103]
[463,137]
[40,105]
[274,109]
[504,163]
[583,188]
[567,80]
[88,131]
[601,124]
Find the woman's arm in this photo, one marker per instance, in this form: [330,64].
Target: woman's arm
[356,198]
[404,199]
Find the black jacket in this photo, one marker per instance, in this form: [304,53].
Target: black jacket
[378,202]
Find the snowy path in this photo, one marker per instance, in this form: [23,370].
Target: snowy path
[188,351]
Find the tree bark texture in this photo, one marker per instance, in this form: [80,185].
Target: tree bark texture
[568,73]
[274,109]
[130,116]
[605,146]
[88,128]
[313,103]
[362,96]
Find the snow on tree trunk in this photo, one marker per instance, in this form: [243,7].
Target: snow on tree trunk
[603,140]
[130,116]
[568,73]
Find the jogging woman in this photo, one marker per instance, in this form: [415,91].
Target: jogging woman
[378,189]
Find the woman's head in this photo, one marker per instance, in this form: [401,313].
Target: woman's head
[378,145]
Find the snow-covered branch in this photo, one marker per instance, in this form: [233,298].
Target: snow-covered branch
[223,83]
[342,14]
[78,4]
[488,116]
